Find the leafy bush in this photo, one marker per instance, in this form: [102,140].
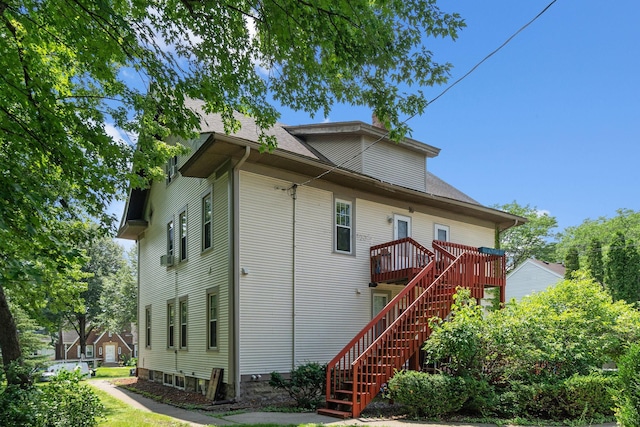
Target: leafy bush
[628,401]
[431,395]
[587,396]
[306,384]
[63,402]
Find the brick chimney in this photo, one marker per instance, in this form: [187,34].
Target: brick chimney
[375,121]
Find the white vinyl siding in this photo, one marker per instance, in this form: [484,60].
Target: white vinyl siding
[266,249]
[529,278]
[204,270]
[395,164]
[331,293]
[342,150]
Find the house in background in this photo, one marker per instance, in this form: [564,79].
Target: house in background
[533,276]
[253,262]
[103,348]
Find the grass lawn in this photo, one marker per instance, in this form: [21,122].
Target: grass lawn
[119,414]
[112,372]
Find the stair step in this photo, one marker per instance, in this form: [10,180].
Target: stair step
[340,402]
[347,392]
[334,413]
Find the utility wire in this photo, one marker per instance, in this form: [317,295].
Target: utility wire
[386,134]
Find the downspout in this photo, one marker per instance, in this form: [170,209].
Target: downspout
[235,289]
[294,197]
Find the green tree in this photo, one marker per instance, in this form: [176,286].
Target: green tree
[530,240]
[105,264]
[571,262]
[119,299]
[623,270]
[66,70]
[602,229]
[595,263]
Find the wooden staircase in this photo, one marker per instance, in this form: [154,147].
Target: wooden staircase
[392,340]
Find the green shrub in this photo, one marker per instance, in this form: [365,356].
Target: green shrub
[63,402]
[628,400]
[587,396]
[430,395]
[306,385]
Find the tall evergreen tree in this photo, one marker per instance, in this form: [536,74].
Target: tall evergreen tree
[571,262]
[595,262]
[623,270]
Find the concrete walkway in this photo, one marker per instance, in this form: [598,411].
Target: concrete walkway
[198,418]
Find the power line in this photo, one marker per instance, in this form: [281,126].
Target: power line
[386,134]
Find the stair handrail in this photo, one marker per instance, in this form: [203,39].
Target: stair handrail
[411,311]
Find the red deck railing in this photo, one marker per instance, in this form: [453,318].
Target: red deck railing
[397,261]
[395,335]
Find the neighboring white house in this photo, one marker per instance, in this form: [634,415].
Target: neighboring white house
[254,262]
[533,276]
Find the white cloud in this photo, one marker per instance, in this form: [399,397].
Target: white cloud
[120,136]
[543,212]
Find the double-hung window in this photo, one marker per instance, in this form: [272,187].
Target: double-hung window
[170,239]
[182,224]
[441,232]
[212,319]
[147,326]
[171,169]
[207,222]
[183,322]
[343,226]
[171,318]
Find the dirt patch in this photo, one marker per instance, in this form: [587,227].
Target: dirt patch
[190,400]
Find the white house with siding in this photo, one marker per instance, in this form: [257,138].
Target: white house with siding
[254,262]
[533,276]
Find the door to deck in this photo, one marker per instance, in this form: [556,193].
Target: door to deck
[401,227]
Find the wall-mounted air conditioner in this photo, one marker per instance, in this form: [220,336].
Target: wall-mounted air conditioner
[166,260]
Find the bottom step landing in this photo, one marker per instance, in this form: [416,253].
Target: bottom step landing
[334,413]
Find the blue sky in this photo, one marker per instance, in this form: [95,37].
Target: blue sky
[551,120]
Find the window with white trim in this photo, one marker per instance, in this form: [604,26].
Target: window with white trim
[207,222]
[441,232]
[99,351]
[89,351]
[147,326]
[170,238]
[343,226]
[171,169]
[182,230]
[171,318]
[212,319]
[183,322]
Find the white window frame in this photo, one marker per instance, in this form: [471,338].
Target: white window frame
[100,351]
[171,238]
[89,351]
[207,225]
[171,169]
[397,218]
[212,323]
[182,235]
[183,313]
[439,227]
[171,324]
[339,223]
[147,326]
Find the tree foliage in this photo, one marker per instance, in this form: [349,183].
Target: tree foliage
[571,262]
[602,229]
[539,356]
[119,298]
[595,262]
[623,270]
[107,274]
[530,240]
[71,69]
